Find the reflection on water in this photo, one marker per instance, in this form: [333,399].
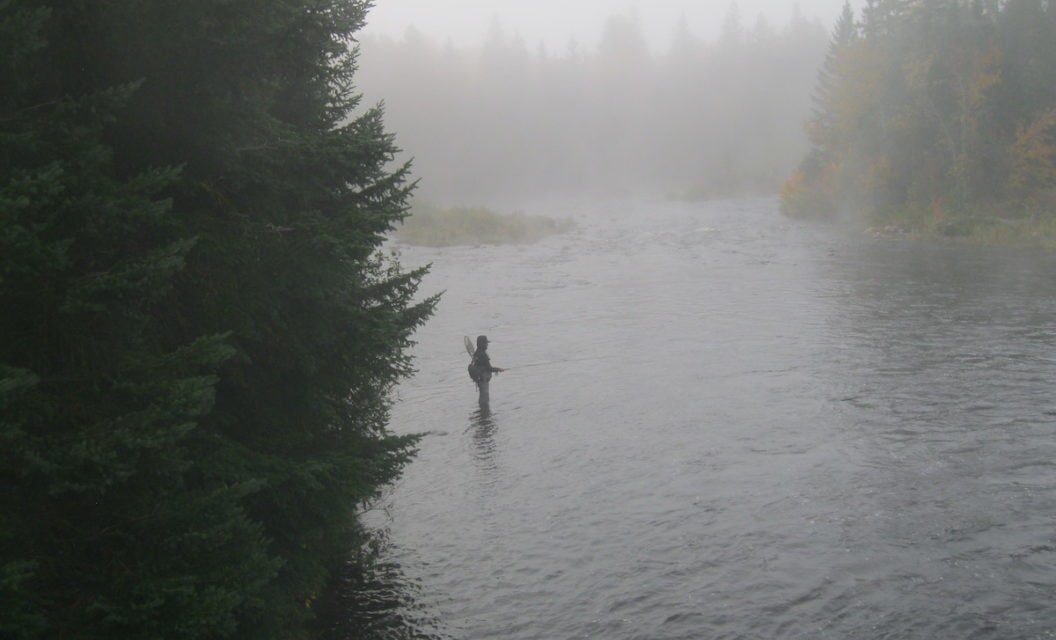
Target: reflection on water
[483,426]
[373,599]
[752,429]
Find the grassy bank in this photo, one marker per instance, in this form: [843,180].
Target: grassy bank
[432,226]
[1006,224]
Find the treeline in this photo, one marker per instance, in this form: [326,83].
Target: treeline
[934,115]
[513,119]
[197,332]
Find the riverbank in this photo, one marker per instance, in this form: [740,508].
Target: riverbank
[433,226]
[1006,225]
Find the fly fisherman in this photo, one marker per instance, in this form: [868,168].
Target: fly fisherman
[481,370]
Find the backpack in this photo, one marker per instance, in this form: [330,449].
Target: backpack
[475,374]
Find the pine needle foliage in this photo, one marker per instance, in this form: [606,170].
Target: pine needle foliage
[198,333]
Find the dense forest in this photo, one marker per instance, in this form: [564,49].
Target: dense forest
[201,329]
[198,334]
[938,116]
[512,119]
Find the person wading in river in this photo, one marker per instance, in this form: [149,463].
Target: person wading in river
[481,370]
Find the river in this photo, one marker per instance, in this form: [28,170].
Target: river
[727,424]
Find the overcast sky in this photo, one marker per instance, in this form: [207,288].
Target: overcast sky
[556,22]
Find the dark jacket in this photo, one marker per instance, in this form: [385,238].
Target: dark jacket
[482,362]
[480,369]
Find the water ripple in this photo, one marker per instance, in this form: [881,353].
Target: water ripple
[745,428]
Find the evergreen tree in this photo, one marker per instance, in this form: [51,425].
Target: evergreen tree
[831,80]
[197,332]
[828,128]
[881,18]
[731,25]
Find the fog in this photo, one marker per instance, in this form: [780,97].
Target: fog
[556,23]
[702,114]
[687,320]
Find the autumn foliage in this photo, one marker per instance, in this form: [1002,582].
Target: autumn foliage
[932,101]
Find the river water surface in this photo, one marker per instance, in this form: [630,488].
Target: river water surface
[727,424]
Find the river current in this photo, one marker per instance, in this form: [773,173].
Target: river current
[720,423]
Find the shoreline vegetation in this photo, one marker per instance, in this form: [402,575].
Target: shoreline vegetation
[1009,225]
[936,122]
[430,225]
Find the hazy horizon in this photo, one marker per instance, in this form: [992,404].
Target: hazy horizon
[554,24]
[486,124]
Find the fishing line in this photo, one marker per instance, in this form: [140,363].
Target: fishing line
[555,363]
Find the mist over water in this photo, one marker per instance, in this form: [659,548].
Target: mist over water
[509,120]
[718,422]
[748,428]
[234,396]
